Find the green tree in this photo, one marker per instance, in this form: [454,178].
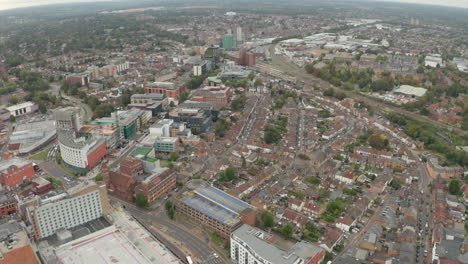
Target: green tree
[455,187]
[42,108]
[12,118]
[174,156]
[286,231]
[170,210]
[58,157]
[229,174]
[141,200]
[258,82]
[125,99]
[13,100]
[378,141]
[99,177]
[267,219]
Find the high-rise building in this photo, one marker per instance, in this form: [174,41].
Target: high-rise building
[229,42]
[81,153]
[239,34]
[252,245]
[68,118]
[80,204]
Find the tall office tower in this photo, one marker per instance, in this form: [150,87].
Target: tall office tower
[239,34]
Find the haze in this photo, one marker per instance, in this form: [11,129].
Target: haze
[9,4]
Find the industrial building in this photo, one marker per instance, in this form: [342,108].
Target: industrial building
[15,171]
[82,203]
[252,245]
[409,90]
[215,210]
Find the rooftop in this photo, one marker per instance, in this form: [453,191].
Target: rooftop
[223,199]
[12,163]
[262,243]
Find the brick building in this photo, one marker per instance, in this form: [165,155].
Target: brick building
[167,88]
[216,210]
[157,184]
[132,178]
[218,95]
[8,204]
[15,171]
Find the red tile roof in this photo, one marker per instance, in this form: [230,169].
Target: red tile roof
[23,255]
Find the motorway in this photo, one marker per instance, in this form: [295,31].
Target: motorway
[158,222]
[282,64]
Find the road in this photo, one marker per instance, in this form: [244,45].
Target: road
[56,172]
[282,64]
[86,112]
[161,225]
[354,241]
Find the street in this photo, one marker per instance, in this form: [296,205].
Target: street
[181,237]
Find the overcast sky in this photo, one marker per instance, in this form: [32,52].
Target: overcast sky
[8,4]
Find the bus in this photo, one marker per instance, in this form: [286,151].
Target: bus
[189,260]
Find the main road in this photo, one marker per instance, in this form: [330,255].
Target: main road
[282,64]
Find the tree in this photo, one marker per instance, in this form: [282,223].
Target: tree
[286,231]
[141,200]
[303,156]
[378,141]
[228,174]
[12,119]
[267,219]
[258,82]
[13,100]
[174,156]
[170,210]
[238,103]
[455,187]
[58,157]
[125,99]
[42,108]
[99,177]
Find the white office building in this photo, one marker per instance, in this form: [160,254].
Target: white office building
[78,205]
[250,245]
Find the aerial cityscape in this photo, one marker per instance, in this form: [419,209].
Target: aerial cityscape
[234,132]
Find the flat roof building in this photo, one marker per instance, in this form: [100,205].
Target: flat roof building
[82,203]
[215,209]
[410,91]
[252,245]
[15,171]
